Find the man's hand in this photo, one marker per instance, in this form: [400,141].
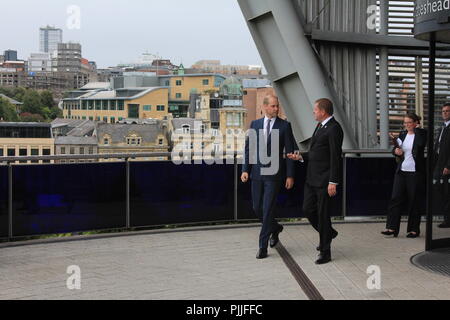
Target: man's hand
[398,152]
[295,156]
[244,177]
[289,183]
[446,172]
[332,190]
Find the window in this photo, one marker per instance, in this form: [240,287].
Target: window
[161,142]
[147,108]
[72,150]
[112,105]
[91,118]
[98,104]
[186,129]
[84,105]
[22,153]
[91,150]
[46,152]
[113,120]
[105,119]
[105,105]
[97,119]
[81,150]
[178,95]
[91,104]
[34,152]
[63,150]
[178,82]
[205,82]
[11,152]
[121,104]
[134,141]
[234,119]
[106,141]
[167,83]
[160,108]
[1,152]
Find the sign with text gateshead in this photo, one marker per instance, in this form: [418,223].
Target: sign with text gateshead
[432,16]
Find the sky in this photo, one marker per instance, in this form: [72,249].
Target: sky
[119,31]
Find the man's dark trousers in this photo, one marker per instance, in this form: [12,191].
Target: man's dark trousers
[316,206]
[264,195]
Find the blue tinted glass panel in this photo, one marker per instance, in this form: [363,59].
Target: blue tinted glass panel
[164,193]
[369,185]
[68,198]
[3,202]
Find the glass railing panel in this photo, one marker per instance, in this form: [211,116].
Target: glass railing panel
[164,193]
[62,198]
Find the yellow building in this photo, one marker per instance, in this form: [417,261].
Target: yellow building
[26,139]
[111,106]
[182,86]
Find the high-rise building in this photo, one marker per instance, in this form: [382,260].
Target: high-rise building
[49,37]
[68,57]
[10,55]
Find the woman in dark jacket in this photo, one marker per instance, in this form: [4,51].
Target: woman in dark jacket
[409,151]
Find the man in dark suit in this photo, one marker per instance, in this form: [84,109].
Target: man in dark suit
[442,163]
[323,174]
[265,164]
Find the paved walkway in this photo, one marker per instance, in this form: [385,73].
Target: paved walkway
[218,263]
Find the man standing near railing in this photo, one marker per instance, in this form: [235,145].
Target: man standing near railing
[442,163]
[264,162]
[323,175]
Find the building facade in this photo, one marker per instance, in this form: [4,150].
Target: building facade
[111,106]
[49,38]
[133,138]
[26,139]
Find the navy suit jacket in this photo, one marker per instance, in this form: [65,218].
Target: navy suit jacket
[286,145]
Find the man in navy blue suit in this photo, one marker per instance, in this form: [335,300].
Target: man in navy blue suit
[268,139]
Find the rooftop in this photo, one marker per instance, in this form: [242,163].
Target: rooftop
[187,264]
[10,99]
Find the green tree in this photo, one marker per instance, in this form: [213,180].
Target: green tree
[32,102]
[47,99]
[18,93]
[7,111]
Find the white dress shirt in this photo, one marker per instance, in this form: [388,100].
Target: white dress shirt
[271,124]
[408,164]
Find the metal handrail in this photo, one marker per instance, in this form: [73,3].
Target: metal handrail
[159,154]
[113,156]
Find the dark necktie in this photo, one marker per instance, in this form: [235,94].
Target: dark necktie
[319,126]
[268,129]
[440,138]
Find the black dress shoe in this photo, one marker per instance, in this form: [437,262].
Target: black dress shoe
[262,253]
[324,257]
[444,225]
[335,234]
[413,235]
[274,239]
[390,233]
